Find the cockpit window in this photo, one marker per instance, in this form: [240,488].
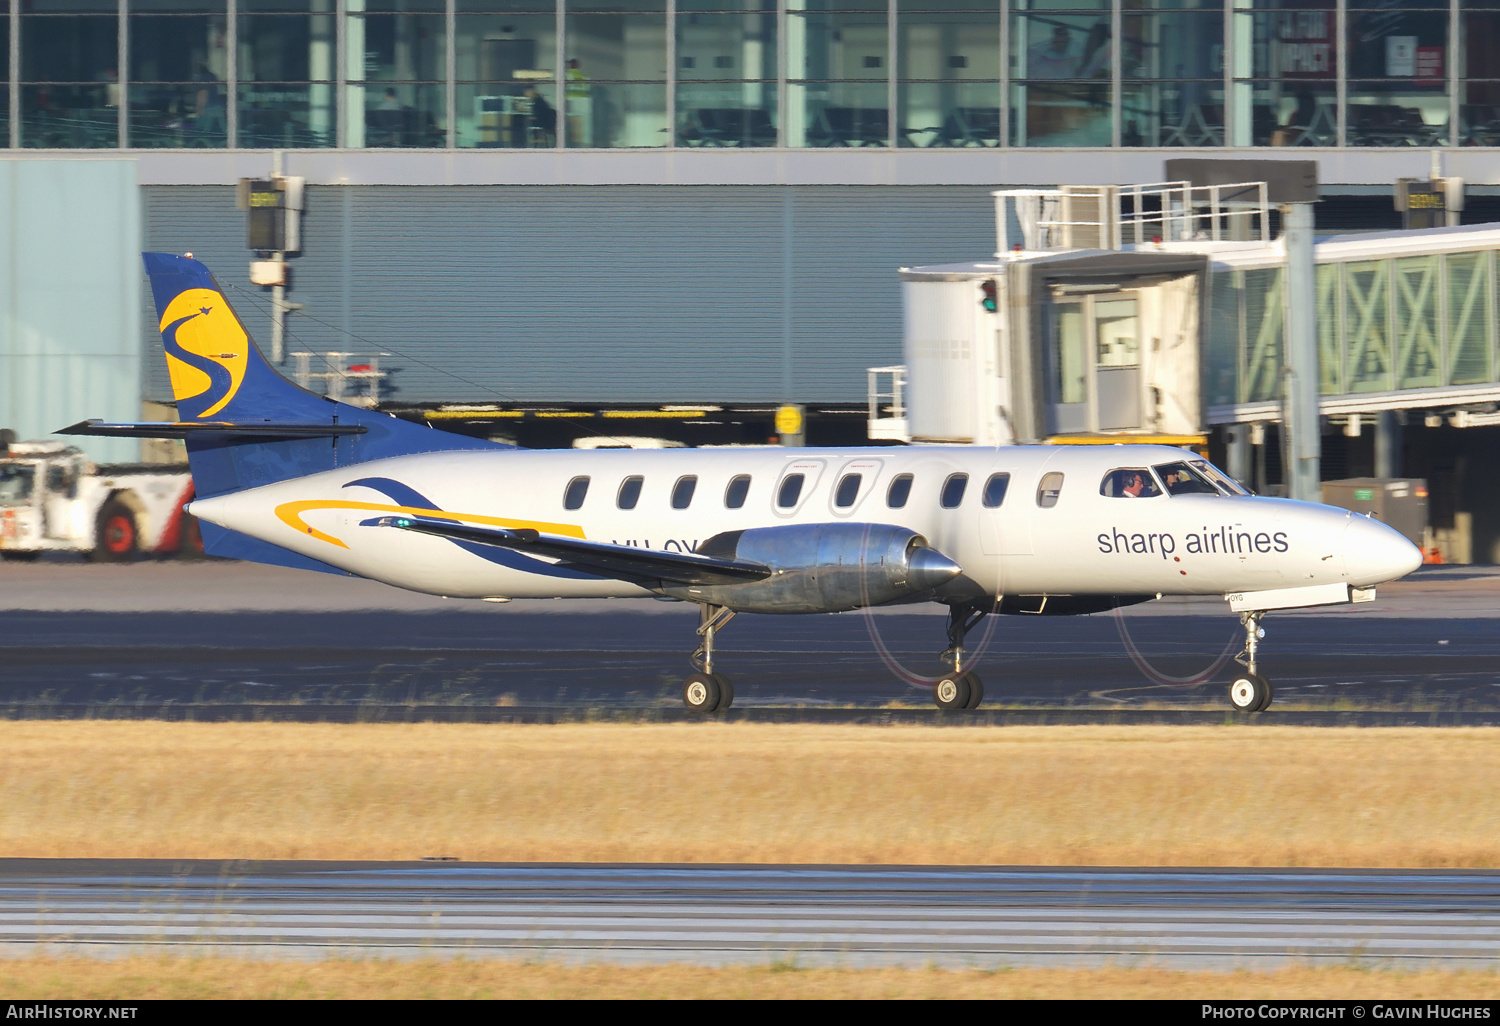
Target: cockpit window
[1129,483]
[1181,479]
[1226,484]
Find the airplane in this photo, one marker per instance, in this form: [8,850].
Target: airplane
[288,477]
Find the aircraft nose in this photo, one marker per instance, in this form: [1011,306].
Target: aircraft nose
[1375,553]
[929,568]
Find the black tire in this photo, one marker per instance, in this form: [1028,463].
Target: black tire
[1265,703]
[976,691]
[951,692]
[700,693]
[13,556]
[116,539]
[726,692]
[1249,692]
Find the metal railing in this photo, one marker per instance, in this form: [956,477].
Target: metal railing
[1112,216]
[352,378]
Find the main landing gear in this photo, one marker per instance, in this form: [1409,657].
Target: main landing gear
[1249,691]
[707,691]
[960,689]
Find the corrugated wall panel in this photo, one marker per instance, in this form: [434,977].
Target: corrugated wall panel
[846,294]
[587,294]
[598,294]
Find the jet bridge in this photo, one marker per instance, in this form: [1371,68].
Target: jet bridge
[1159,311]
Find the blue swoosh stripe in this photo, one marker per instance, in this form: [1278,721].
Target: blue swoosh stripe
[400,494]
[405,495]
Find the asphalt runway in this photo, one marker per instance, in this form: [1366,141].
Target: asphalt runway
[851,916]
[139,636]
[74,634]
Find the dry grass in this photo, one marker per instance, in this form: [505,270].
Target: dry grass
[159,978]
[1262,796]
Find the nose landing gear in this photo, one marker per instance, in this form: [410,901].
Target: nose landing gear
[707,691]
[1249,691]
[959,689]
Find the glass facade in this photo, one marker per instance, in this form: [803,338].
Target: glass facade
[610,74]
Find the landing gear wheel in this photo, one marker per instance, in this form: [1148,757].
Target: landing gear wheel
[1250,692]
[701,693]
[952,691]
[116,535]
[726,692]
[976,690]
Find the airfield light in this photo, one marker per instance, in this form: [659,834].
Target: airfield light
[988,296]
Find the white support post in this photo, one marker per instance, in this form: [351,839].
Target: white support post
[1304,439]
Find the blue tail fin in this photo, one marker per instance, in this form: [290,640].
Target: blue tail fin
[219,376]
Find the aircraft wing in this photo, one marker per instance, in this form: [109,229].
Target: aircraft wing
[622,562]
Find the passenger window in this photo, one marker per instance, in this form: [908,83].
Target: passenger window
[734,495]
[1129,483]
[577,489]
[630,493]
[994,490]
[953,490]
[848,491]
[899,492]
[682,491]
[1048,491]
[791,491]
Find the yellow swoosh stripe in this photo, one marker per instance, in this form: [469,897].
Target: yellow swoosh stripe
[290,513]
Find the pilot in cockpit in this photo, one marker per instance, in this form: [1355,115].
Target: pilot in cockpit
[1131,482]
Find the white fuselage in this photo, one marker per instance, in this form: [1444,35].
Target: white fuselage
[1084,543]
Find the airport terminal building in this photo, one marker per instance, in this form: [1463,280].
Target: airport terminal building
[769,166]
[805,74]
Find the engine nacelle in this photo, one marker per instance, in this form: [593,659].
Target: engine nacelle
[823,568]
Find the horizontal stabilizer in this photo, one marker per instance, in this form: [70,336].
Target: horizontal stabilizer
[622,562]
[203,428]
